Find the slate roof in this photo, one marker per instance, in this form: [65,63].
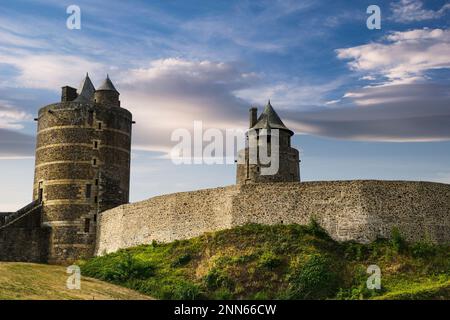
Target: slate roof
[269,119]
[107,85]
[86,90]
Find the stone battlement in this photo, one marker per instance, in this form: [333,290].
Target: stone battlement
[361,210]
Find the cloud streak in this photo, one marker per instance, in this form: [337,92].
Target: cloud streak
[406,11]
[405,57]
[15,145]
[395,113]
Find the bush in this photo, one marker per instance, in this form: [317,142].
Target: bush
[186,291]
[314,280]
[355,251]
[121,268]
[423,249]
[216,278]
[269,260]
[357,293]
[397,241]
[182,260]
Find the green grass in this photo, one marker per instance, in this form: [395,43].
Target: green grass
[277,262]
[31,281]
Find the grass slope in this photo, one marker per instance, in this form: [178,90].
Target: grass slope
[277,262]
[29,281]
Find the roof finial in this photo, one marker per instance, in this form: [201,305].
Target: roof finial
[268,103]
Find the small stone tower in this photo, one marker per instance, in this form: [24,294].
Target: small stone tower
[82,165]
[288,171]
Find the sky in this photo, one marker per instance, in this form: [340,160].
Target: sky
[364,104]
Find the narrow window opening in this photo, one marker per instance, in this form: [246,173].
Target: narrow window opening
[87,225]
[96,199]
[96,182]
[40,192]
[99,125]
[88,191]
[95,144]
[94,161]
[95,218]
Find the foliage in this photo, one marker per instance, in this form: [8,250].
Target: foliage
[269,260]
[397,241]
[314,280]
[277,261]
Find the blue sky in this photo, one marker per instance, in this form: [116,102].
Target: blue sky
[365,104]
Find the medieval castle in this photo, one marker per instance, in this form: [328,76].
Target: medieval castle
[81,191]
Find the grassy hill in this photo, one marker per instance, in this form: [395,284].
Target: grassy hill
[277,262]
[27,281]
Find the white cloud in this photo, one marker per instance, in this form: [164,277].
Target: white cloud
[405,58]
[11,117]
[48,71]
[172,93]
[412,10]
[15,145]
[292,94]
[395,113]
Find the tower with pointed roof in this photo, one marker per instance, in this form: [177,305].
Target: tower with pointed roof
[82,166]
[261,130]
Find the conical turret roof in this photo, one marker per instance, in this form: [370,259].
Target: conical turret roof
[86,90]
[269,119]
[107,85]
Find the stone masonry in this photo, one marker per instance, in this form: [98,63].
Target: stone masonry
[82,168]
[349,210]
[261,131]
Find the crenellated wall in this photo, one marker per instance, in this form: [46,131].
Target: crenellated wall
[348,210]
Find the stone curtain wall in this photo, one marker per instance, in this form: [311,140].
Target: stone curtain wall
[25,239]
[348,210]
[165,218]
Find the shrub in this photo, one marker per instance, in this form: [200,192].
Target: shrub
[397,241]
[216,278]
[314,280]
[423,249]
[182,260]
[269,260]
[261,295]
[357,293]
[186,291]
[122,267]
[223,294]
[355,251]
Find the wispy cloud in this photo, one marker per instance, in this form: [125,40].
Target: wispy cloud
[406,11]
[405,57]
[395,113]
[11,117]
[15,145]
[171,93]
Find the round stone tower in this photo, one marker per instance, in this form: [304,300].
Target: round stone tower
[261,130]
[82,166]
